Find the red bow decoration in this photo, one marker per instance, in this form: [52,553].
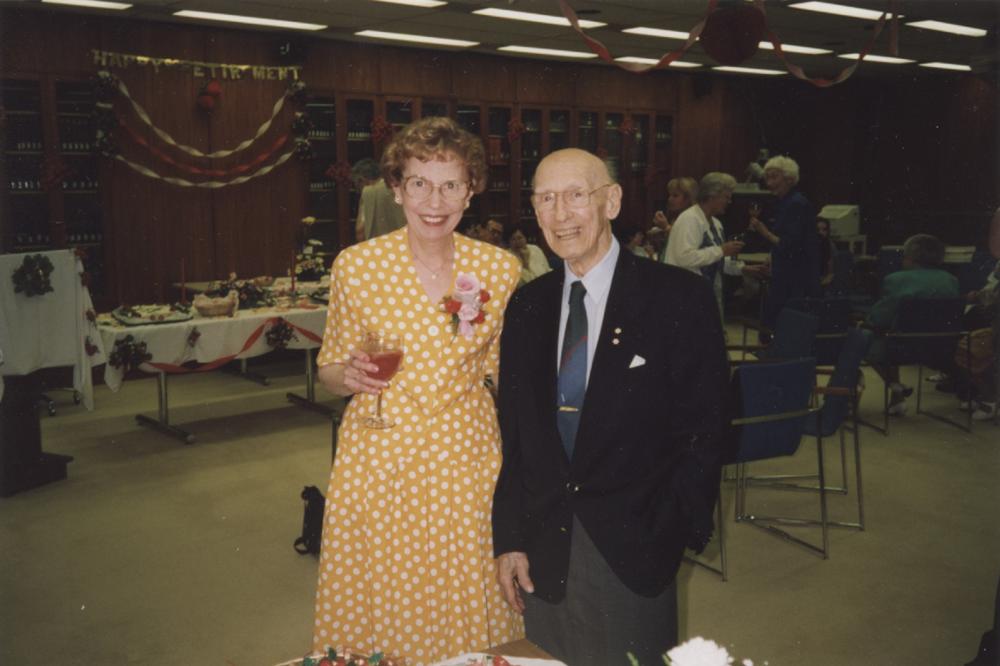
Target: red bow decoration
[382,130]
[340,173]
[515,128]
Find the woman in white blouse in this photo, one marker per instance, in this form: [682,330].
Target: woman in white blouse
[697,240]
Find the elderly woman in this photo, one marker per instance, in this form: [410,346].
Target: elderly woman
[795,251]
[697,241]
[406,565]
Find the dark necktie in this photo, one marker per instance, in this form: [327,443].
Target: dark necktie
[573,369]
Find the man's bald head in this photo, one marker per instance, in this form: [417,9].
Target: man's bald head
[587,164]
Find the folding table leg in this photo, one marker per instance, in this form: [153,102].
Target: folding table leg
[162,422]
[309,402]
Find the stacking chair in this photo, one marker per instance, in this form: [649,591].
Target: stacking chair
[925,333]
[794,333]
[773,401]
[838,414]
[774,408]
[834,315]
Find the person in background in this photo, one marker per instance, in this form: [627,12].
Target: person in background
[682,193]
[378,212]
[633,240]
[365,172]
[921,277]
[827,250]
[795,246]
[533,261]
[493,232]
[406,564]
[613,374]
[697,240]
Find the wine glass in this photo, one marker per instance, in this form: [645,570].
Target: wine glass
[754,209]
[386,351]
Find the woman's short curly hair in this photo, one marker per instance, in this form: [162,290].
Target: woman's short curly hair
[431,139]
[786,165]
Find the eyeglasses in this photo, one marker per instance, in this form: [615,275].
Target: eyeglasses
[575,199]
[419,188]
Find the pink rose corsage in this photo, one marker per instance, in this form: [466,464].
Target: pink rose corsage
[465,305]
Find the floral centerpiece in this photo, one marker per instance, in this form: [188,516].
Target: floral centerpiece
[250,294]
[697,652]
[465,304]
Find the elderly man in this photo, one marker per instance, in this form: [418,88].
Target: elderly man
[921,277]
[612,377]
[697,240]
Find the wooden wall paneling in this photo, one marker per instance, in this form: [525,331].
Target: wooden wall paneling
[153,220]
[21,41]
[697,136]
[343,66]
[257,222]
[484,78]
[412,73]
[545,83]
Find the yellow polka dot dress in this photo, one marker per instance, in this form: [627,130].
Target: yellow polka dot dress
[407,566]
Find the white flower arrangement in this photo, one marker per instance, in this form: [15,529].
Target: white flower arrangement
[697,651]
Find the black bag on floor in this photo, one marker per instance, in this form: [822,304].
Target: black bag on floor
[312,522]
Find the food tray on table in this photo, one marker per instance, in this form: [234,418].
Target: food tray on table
[144,315]
[322,294]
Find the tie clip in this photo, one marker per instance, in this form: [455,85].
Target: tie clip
[567,408]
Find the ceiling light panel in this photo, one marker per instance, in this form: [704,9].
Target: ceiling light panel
[90,4]
[952,28]
[792,48]
[417,39]
[427,4]
[656,32]
[839,10]
[955,67]
[889,60]
[249,20]
[532,17]
[679,64]
[750,70]
[558,53]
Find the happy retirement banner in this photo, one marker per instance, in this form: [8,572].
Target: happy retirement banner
[198,68]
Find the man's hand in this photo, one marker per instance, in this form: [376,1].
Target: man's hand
[512,573]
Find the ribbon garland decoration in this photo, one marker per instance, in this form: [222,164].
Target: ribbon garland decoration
[891,13]
[219,362]
[218,173]
[211,184]
[144,116]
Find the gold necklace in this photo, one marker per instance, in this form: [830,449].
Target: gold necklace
[434,273]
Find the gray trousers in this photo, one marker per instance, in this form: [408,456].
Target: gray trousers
[600,620]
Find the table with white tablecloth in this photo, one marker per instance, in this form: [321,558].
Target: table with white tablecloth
[54,329]
[207,343]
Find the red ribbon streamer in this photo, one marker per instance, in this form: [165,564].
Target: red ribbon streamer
[219,362]
[218,173]
[604,54]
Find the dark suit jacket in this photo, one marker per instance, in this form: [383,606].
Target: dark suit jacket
[645,472]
